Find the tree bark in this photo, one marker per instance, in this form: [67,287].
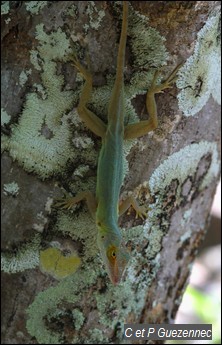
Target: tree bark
[46,150]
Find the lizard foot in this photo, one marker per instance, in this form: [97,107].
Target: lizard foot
[166,84]
[65,203]
[83,70]
[141,212]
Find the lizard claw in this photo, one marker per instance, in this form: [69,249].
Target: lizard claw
[77,64]
[64,203]
[166,84]
[141,212]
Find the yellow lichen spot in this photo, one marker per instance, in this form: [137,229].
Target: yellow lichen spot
[67,265]
[52,261]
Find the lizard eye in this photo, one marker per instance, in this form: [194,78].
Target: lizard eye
[114,255]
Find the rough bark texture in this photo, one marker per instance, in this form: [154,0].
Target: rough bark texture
[185,200]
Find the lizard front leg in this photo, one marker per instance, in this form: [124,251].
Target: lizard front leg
[141,128]
[68,203]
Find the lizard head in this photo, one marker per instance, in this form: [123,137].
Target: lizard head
[114,255]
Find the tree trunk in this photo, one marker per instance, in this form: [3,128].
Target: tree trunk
[55,288]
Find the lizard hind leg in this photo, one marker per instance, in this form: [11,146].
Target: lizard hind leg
[91,120]
[135,130]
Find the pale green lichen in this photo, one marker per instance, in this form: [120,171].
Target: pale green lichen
[48,205]
[11,189]
[183,164]
[187,233]
[95,16]
[178,167]
[97,336]
[35,6]
[41,141]
[26,257]
[7,21]
[81,170]
[24,77]
[46,305]
[34,59]
[186,236]
[53,46]
[5,117]
[78,318]
[42,221]
[200,76]
[82,141]
[5,8]
[40,89]
[72,10]
[4,142]
[186,216]
[148,51]
[73,226]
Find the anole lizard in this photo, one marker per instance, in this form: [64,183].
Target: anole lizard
[105,207]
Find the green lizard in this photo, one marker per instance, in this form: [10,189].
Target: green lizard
[105,207]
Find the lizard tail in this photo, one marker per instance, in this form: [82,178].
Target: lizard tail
[122,44]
